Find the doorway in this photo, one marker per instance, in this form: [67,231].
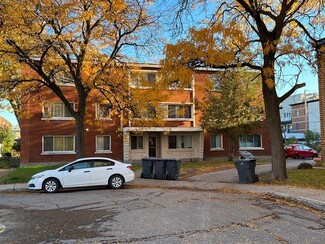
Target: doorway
[152,146]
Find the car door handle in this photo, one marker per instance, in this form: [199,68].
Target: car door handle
[109,169]
[86,171]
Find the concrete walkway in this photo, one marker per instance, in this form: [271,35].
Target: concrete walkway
[227,180]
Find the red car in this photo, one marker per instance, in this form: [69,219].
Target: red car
[299,151]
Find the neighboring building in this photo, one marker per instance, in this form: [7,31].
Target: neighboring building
[3,124]
[51,138]
[299,113]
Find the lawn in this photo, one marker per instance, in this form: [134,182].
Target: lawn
[23,174]
[308,178]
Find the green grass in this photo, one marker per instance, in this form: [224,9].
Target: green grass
[307,178]
[23,174]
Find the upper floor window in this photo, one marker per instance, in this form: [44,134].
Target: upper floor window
[180,111]
[103,111]
[148,112]
[179,84]
[52,110]
[250,141]
[58,144]
[297,126]
[297,113]
[147,79]
[216,82]
[216,141]
[103,144]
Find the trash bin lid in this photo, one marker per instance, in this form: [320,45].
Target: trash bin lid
[246,154]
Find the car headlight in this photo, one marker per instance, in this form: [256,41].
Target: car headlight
[37,177]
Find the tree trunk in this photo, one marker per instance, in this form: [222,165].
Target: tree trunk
[80,136]
[273,120]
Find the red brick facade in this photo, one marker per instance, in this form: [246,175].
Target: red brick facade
[37,129]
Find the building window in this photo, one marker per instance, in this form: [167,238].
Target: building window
[180,111]
[103,111]
[136,142]
[297,126]
[149,112]
[151,78]
[143,79]
[297,113]
[216,141]
[178,85]
[58,144]
[216,82]
[103,144]
[179,142]
[53,110]
[250,141]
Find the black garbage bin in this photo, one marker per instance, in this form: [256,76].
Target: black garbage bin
[147,168]
[173,167]
[246,170]
[160,169]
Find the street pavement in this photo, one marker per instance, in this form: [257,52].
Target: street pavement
[227,180]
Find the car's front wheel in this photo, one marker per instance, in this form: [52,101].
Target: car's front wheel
[296,156]
[116,182]
[51,185]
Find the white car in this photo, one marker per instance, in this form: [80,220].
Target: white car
[83,172]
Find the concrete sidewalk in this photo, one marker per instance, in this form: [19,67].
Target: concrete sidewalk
[226,180]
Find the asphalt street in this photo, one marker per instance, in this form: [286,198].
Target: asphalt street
[155,215]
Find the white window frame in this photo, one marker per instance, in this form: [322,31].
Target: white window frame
[252,147]
[135,83]
[58,152]
[178,107]
[104,150]
[221,143]
[97,113]
[138,148]
[179,137]
[44,116]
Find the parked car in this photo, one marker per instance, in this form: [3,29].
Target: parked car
[83,172]
[299,151]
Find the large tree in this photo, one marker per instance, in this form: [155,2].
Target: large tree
[266,36]
[234,106]
[82,42]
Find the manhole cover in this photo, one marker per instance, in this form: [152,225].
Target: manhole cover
[2,228]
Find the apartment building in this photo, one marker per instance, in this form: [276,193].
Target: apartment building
[48,130]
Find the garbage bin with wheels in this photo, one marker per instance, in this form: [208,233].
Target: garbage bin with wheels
[173,168]
[160,169]
[147,168]
[246,170]
[246,167]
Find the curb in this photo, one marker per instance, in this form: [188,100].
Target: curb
[315,204]
[312,203]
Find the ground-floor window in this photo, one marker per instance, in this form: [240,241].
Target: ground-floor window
[103,144]
[179,141]
[136,142]
[250,141]
[58,144]
[216,141]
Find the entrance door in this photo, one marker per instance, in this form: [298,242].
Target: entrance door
[152,146]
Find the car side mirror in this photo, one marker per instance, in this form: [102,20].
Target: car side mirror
[71,168]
